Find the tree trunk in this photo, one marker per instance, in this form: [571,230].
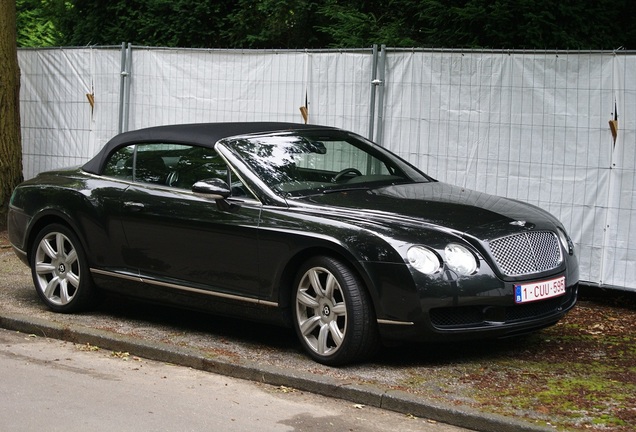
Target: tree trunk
[10,140]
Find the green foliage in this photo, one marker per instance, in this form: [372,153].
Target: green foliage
[271,24]
[349,25]
[171,23]
[35,24]
[497,24]
[531,24]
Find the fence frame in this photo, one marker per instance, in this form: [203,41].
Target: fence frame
[321,78]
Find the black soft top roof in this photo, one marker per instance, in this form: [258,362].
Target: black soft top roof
[203,134]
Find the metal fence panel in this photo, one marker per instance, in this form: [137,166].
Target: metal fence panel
[618,250]
[59,125]
[189,86]
[529,126]
[526,125]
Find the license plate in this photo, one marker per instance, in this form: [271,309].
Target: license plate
[539,290]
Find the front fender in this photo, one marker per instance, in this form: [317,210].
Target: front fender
[287,239]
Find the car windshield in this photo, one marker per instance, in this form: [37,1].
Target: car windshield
[318,162]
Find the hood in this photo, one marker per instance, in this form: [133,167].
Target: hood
[440,204]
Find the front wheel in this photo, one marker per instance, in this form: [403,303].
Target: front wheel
[333,316]
[60,270]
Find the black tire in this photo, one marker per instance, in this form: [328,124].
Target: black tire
[332,313]
[60,270]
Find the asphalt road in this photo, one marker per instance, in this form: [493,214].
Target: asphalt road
[53,385]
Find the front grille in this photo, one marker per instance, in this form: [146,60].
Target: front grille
[479,316]
[527,253]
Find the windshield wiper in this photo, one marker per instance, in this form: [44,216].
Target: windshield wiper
[346,189]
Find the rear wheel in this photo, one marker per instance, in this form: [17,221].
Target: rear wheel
[60,270]
[333,316]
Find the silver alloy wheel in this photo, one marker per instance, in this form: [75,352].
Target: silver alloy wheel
[321,311]
[57,268]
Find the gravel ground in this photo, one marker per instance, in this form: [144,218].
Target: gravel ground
[577,375]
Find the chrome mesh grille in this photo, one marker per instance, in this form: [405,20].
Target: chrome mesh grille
[527,253]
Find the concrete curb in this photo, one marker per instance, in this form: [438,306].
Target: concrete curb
[393,400]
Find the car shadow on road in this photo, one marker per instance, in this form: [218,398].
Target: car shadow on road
[185,320]
[271,337]
[135,317]
[439,354]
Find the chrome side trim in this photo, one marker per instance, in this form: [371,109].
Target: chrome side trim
[117,275]
[185,288]
[391,322]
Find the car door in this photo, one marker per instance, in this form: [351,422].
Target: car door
[188,240]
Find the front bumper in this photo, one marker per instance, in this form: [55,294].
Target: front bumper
[448,308]
[485,321]
[474,318]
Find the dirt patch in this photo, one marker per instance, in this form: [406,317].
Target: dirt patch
[579,375]
[4,240]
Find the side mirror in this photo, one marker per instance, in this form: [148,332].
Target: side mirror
[212,188]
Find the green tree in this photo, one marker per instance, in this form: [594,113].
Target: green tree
[498,24]
[359,24]
[35,25]
[10,144]
[530,24]
[172,23]
[272,24]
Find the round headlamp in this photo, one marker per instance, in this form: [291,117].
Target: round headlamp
[423,260]
[460,259]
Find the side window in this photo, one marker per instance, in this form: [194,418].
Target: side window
[200,163]
[173,165]
[197,163]
[152,162]
[120,163]
[147,163]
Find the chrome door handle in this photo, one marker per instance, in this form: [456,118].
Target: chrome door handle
[134,206]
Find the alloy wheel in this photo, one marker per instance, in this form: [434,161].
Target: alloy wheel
[57,268]
[321,311]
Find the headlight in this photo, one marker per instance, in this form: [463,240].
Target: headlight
[565,241]
[460,259]
[423,260]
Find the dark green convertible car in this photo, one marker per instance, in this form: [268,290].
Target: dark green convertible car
[307,226]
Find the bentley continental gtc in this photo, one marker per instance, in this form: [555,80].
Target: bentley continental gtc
[305,226]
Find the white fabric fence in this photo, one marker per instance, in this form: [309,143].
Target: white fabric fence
[526,125]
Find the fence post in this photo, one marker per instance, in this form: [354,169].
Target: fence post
[121,88]
[374,83]
[380,83]
[124,87]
